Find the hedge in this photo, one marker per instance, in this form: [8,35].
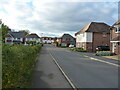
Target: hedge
[104,53]
[78,49]
[17,65]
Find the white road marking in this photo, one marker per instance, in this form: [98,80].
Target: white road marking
[85,56]
[99,60]
[103,61]
[70,82]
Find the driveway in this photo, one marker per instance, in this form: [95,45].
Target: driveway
[86,70]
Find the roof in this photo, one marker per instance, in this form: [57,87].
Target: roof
[17,34]
[32,35]
[8,35]
[46,37]
[116,23]
[67,35]
[95,27]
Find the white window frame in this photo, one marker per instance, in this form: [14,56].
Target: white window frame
[117,27]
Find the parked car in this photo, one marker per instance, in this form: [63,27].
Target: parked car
[71,46]
[102,48]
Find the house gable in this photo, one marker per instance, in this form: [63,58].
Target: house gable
[115,32]
[95,27]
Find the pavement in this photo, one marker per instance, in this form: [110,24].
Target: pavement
[47,74]
[84,70]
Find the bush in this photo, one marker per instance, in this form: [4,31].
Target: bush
[18,62]
[32,42]
[78,49]
[104,53]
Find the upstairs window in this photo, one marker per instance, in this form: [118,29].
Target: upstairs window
[117,29]
[66,39]
[83,34]
[18,38]
[104,34]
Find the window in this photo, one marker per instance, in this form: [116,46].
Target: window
[117,29]
[114,45]
[104,34]
[83,35]
[18,38]
[83,45]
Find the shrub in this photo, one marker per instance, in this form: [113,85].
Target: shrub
[18,62]
[78,49]
[104,53]
[31,42]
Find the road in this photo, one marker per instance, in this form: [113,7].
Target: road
[84,69]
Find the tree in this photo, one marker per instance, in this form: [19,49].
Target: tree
[0,21]
[25,31]
[4,28]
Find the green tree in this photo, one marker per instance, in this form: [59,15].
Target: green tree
[4,29]
[25,31]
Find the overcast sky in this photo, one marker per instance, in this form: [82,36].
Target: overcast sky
[55,17]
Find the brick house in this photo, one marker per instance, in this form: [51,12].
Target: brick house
[33,37]
[15,38]
[93,35]
[66,40]
[115,37]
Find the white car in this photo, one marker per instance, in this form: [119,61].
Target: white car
[71,45]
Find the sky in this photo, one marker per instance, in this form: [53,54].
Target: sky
[56,17]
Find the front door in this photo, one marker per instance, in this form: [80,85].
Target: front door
[113,47]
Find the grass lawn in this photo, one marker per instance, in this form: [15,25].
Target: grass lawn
[116,57]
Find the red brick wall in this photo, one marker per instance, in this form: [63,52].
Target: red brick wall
[99,39]
[89,47]
[112,36]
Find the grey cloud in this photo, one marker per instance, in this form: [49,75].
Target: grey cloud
[73,16]
[66,16]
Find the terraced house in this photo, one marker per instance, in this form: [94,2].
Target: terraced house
[47,40]
[115,37]
[92,35]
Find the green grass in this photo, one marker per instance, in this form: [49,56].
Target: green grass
[18,63]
